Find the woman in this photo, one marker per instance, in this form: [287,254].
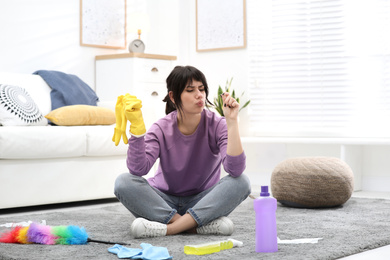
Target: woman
[186,194]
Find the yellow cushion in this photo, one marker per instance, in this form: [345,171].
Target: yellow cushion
[81,115]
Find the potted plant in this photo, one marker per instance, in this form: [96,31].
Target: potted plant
[218,103]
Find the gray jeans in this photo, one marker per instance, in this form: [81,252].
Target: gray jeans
[142,200]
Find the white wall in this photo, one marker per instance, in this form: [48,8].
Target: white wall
[45,34]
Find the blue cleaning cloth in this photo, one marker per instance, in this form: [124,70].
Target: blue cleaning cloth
[124,252]
[148,252]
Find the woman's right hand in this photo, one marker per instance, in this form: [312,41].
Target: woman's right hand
[132,109]
[230,107]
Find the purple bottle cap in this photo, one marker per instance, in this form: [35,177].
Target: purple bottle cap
[264,191]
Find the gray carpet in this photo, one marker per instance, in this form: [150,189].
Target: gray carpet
[357,226]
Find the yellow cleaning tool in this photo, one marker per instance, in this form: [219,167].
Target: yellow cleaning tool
[133,113]
[120,126]
[212,247]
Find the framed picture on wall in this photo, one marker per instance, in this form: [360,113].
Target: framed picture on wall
[220,24]
[103,23]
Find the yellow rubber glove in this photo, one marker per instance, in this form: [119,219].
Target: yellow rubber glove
[133,113]
[121,121]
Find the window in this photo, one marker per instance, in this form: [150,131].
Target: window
[320,67]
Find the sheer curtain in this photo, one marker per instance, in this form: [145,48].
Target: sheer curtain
[319,68]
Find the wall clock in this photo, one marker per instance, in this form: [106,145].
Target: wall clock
[137,46]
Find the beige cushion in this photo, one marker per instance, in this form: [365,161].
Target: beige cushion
[312,182]
[81,115]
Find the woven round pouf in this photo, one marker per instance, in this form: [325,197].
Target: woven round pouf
[312,182]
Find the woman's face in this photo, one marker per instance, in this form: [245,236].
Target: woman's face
[193,98]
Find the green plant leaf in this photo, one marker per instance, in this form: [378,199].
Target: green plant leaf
[220,106]
[215,102]
[220,91]
[245,105]
[234,94]
[230,83]
[218,101]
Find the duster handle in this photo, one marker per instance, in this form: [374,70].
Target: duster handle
[107,242]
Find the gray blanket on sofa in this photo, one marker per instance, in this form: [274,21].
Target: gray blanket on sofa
[67,89]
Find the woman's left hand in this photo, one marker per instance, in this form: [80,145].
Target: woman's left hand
[230,107]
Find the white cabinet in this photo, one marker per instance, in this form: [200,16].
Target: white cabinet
[142,75]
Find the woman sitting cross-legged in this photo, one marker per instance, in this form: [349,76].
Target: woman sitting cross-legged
[186,193]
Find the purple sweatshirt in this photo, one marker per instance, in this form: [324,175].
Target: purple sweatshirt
[189,164]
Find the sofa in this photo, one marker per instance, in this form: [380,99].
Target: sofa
[43,163]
